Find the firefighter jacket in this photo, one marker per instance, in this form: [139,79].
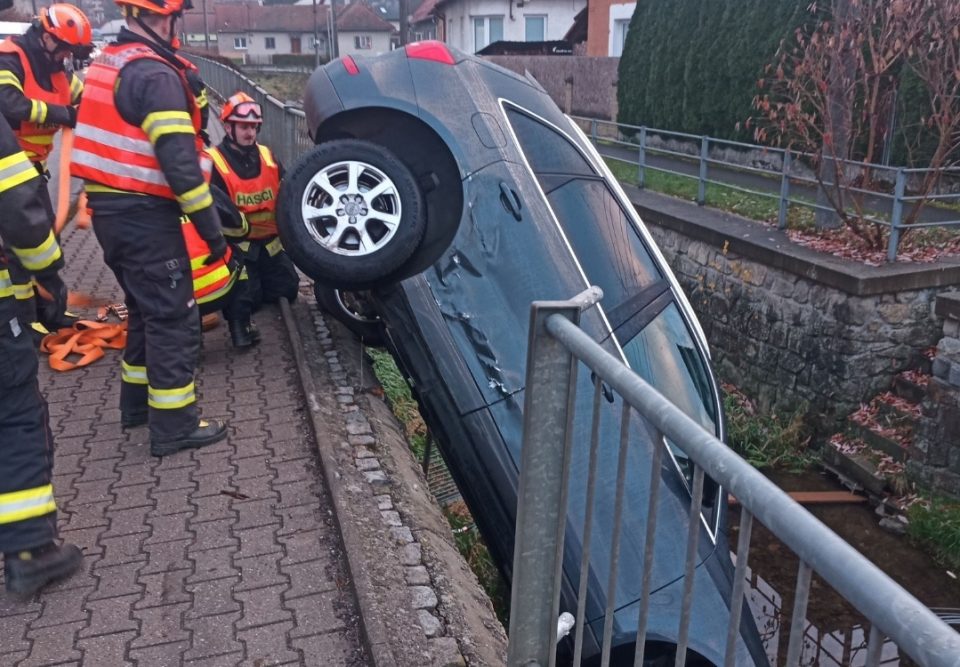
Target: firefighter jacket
[253,187]
[36,97]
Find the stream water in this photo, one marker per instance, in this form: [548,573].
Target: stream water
[835,633]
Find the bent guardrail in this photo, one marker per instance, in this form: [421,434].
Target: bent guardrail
[557,346]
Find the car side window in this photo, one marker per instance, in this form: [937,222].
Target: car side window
[547,151]
[604,239]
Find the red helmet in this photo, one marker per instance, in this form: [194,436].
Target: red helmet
[241,108]
[67,24]
[162,7]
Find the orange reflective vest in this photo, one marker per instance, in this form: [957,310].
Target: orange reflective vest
[210,281]
[255,197]
[37,139]
[106,148]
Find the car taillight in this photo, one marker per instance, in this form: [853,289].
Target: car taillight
[430,50]
[350,65]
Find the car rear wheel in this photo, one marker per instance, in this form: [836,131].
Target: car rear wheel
[354,311]
[351,215]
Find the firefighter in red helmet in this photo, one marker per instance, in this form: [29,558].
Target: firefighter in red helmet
[137,148]
[38,97]
[251,175]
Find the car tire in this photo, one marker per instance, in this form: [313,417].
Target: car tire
[351,215]
[353,311]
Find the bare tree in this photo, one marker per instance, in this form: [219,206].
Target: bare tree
[831,88]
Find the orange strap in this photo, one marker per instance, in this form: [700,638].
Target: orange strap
[63,180]
[86,339]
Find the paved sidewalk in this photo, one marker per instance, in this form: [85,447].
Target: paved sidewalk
[227,555]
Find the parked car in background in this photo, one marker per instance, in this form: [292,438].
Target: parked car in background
[452,193]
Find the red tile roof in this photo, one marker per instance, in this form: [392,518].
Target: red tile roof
[251,17]
[360,17]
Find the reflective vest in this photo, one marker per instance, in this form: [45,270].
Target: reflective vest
[255,197]
[37,139]
[210,281]
[106,148]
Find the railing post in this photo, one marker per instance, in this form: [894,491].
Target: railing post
[896,218]
[542,495]
[702,180]
[290,120]
[593,131]
[642,157]
[784,191]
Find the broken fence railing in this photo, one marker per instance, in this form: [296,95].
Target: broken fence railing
[557,346]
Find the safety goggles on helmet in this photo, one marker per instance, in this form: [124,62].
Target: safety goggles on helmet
[246,112]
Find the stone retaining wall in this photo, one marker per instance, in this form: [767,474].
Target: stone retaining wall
[788,325]
[935,458]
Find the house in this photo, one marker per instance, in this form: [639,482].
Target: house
[471,25]
[607,25]
[255,34]
[423,22]
[361,31]
[198,33]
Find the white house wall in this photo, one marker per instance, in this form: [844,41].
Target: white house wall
[257,44]
[380,43]
[459,15]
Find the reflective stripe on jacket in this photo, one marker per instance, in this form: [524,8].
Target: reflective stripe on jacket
[110,151]
[255,197]
[210,281]
[36,136]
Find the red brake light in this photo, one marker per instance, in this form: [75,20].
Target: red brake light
[430,50]
[350,65]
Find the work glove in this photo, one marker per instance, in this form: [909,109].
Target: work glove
[218,248]
[72,116]
[52,309]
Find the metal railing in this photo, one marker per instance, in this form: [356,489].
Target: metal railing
[780,175]
[557,347]
[284,127]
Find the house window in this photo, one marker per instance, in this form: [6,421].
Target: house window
[363,42]
[620,28]
[535,28]
[271,42]
[486,30]
[239,43]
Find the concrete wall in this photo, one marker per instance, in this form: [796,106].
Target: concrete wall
[459,16]
[580,85]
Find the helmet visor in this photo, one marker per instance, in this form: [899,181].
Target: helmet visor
[248,112]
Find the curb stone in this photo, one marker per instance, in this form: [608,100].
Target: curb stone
[367,475]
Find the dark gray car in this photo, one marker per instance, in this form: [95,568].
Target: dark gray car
[453,193]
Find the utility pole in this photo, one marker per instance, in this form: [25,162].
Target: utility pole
[316,38]
[335,52]
[404,28]
[206,28]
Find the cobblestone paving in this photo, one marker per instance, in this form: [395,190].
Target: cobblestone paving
[227,555]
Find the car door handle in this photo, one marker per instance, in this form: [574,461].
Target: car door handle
[510,201]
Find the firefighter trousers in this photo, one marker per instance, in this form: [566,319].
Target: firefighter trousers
[144,248]
[271,272]
[28,513]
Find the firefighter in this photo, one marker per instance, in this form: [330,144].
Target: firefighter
[251,174]
[38,97]
[137,147]
[28,512]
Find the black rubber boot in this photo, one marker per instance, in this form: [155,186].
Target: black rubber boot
[206,433]
[254,332]
[29,571]
[240,334]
